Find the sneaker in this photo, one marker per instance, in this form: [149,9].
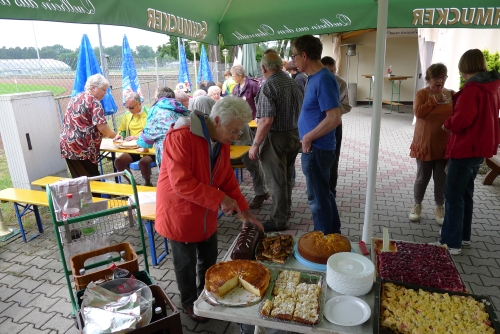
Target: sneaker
[439,214]
[259,200]
[455,251]
[465,243]
[452,251]
[415,213]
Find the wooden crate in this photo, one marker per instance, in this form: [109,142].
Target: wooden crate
[77,262]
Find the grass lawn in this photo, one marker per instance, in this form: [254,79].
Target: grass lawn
[12,88]
[5,182]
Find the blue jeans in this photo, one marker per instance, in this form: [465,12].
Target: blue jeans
[458,192]
[316,167]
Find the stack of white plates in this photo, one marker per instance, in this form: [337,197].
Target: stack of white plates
[350,274]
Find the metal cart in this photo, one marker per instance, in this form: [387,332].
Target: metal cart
[112,215]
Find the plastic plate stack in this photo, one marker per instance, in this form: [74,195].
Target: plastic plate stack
[350,274]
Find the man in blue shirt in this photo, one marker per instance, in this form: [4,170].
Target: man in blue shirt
[319,117]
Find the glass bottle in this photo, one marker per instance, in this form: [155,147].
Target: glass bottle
[123,256]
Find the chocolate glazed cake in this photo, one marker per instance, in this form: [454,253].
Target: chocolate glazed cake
[248,239]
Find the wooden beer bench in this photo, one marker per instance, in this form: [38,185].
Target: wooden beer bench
[120,189]
[393,103]
[26,201]
[494,164]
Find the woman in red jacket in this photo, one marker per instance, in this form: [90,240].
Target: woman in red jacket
[474,136]
[196,179]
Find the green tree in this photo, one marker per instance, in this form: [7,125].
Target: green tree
[96,52]
[18,53]
[114,51]
[282,48]
[145,51]
[53,51]
[171,49]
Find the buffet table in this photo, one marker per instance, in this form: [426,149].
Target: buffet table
[250,315]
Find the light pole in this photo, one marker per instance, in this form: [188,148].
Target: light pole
[224,53]
[193,46]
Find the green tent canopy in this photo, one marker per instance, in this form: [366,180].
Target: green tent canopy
[243,22]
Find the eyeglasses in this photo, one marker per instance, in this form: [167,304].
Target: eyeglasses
[131,108]
[293,56]
[444,77]
[236,133]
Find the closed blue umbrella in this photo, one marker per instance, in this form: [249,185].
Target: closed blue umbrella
[183,68]
[130,80]
[87,65]
[204,74]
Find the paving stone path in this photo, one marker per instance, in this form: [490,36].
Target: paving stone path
[33,292]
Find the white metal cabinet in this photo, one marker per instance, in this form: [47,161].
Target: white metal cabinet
[30,129]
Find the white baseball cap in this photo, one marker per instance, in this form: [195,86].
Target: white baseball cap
[181,86]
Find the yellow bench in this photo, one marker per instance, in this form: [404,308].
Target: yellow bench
[26,201]
[106,188]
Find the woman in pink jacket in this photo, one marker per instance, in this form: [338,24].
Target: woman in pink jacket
[196,180]
[474,136]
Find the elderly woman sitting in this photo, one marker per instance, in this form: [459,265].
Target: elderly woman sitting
[196,179]
[83,127]
[164,112]
[203,104]
[214,93]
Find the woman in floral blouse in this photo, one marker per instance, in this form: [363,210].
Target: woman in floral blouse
[83,128]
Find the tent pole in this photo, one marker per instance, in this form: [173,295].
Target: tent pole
[101,50]
[380,46]
[37,51]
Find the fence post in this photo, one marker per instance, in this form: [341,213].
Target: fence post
[157,74]
[149,92]
[216,71]
[60,111]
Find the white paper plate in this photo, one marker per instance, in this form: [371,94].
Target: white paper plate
[351,264]
[347,311]
[128,147]
[236,297]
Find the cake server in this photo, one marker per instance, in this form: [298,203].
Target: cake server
[362,246]
[385,247]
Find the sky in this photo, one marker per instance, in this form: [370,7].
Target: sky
[15,33]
